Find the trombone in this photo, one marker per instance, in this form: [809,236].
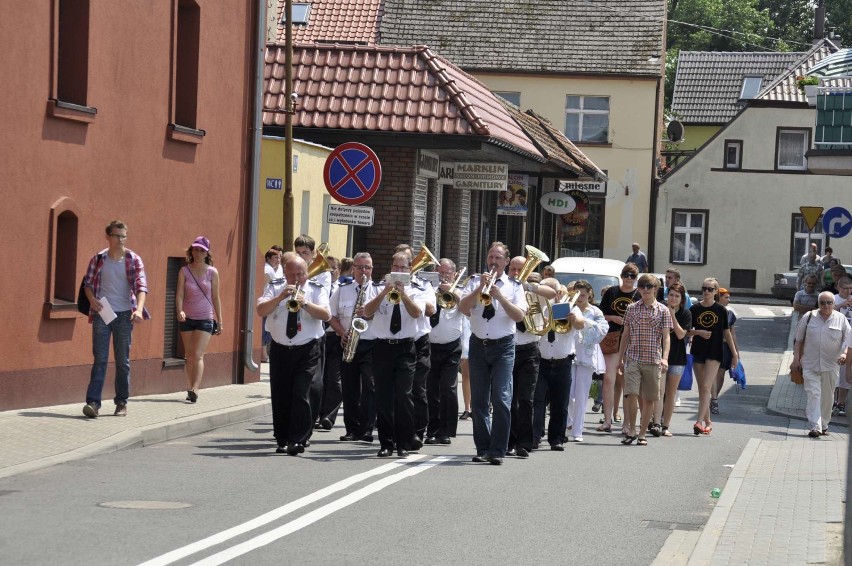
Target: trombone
[447,299]
[485,294]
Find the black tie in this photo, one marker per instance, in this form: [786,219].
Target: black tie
[292,324]
[488,312]
[551,336]
[521,326]
[435,319]
[396,319]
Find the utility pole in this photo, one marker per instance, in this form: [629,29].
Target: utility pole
[288,230]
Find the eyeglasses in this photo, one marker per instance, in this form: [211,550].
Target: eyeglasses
[824,303]
[364,267]
[708,289]
[628,276]
[118,236]
[646,286]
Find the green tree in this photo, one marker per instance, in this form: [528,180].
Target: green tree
[717,25]
[839,16]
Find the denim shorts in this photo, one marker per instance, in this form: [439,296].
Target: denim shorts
[191,324]
[676,370]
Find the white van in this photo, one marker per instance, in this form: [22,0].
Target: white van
[597,271]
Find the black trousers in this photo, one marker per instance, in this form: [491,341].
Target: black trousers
[524,379]
[418,388]
[291,370]
[393,370]
[332,391]
[315,393]
[442,389]
[359,392]
[554,381]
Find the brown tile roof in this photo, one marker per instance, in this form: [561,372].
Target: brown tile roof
[336,21]
[784,87]
[384,89]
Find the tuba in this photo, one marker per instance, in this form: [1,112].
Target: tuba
[535,320]
[424,258]
[447,299]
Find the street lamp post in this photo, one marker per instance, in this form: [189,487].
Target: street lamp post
[288,234]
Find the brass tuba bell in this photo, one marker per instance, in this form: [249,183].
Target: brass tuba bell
[318,265]
[535,321]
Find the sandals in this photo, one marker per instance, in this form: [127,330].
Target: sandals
[697,429]
[666,431]
[616,418]
[642,442]
[708,429]
[603,428]
[654,429]
[629,440]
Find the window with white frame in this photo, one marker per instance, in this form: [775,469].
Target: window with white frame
[733,154]
[587,118]
[790,147]
[689,236]
[803,238]
[750,87]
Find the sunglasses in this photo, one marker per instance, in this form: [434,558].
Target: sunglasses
[824,303]
[708,289]
[628,275]
[646,286]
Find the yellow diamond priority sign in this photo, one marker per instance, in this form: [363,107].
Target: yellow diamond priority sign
[811,215]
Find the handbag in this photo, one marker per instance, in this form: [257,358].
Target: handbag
[796,374]
[738,374]
[610,343]
[83,304]
[216,329]
[685,383]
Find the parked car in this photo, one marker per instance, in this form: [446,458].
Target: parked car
[787,283]
[597,271]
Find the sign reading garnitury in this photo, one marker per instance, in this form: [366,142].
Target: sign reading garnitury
[585,186]
[482,176]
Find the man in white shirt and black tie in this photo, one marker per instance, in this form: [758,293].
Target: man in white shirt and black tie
[295,314]
[492,352]
[395,326]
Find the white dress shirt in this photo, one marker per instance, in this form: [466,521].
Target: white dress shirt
[450,327]
[562,346]
[500,324]
[309,328]
[343,303]
[382,317]
[423,324]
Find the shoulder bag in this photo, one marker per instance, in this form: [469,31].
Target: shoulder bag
[796,375]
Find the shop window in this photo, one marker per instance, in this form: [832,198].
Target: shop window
[689,236]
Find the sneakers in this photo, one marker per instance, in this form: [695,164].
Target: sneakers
[841,410]
[464,416]
[120,410]
[677,400]
[714,406]
[90,410]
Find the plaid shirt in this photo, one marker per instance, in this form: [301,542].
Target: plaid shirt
[647,325]
[135,277]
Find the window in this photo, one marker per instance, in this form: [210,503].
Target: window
[301,13]
[689,236]
[512,97]
[790,147]
[733,154]
[72,52]
[587,119]
[186,64]
[803,238]
[173,352]
[751,86]
[61,296]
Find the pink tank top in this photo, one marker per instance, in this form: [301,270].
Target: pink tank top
[195,302]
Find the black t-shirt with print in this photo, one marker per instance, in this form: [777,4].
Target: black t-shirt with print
[677,346]
[615,302]
[715,319]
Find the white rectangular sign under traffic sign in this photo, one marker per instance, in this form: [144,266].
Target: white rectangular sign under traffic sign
[350,215]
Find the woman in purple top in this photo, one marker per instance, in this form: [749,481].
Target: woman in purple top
[197,303]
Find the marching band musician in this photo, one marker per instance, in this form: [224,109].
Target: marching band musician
[446,349]
[294,353]
[359,403]
[394,358]
[331,388]
[525,370]
[492,352]
[554,375]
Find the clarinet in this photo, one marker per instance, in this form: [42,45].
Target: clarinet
[356,327]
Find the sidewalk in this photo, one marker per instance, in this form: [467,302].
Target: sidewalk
[784,500]
[32,439]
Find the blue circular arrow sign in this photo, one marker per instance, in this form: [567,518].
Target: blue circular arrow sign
[837,222]
[352,173]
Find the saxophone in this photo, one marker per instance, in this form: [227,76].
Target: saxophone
[357,326]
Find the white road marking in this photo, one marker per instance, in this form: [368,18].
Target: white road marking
[762,311]
[270,516]
[317,514]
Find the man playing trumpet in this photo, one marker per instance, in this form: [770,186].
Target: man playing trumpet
[494,304]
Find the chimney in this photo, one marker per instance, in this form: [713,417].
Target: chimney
[819,22]
[834,38]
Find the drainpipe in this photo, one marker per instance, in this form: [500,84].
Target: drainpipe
[253,193]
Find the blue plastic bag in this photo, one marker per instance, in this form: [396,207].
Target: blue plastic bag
[738,374]
[686,379]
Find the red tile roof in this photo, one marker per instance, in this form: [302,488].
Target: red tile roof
[388,89]
[336,21]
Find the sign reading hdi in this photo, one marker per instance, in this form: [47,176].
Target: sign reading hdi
[557,203]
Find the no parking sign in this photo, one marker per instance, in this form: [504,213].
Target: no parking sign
[352,173]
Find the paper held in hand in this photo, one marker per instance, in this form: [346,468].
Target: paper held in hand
[106,313]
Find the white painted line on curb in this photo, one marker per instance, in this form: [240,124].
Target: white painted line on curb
[270,516]
[317,514]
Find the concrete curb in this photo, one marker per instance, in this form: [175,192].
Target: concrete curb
[712,532]
[150,434]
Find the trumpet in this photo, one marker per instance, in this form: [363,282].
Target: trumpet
[394,296]
[485,294]
[293,304]
[447,299]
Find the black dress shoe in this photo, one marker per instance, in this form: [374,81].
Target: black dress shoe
[521,452]
[293,449]
[316,425]
[348,437]
[535,445]
[281,449]
[416,444]
[480,459]
[511,452]
[385,453]
[557,447]
[495,461]
[431,440]
[444,440]
[368,438]
[305,445]
[402,453]
[326,424]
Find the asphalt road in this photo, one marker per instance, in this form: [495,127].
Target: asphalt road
[226,496]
